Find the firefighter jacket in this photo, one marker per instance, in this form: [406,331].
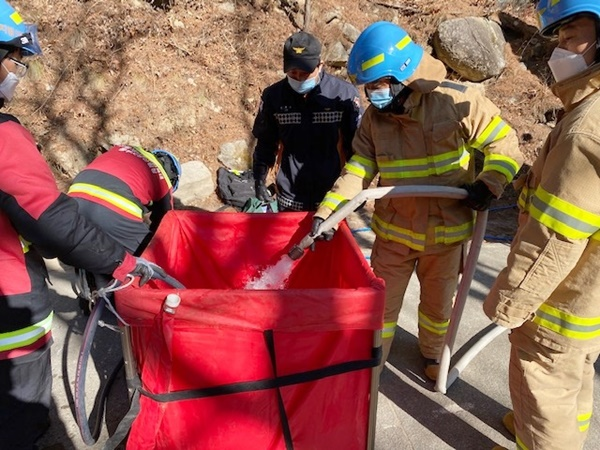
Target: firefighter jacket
[37,220]
[129,181]
[551,282]
[431,143]
[312,134]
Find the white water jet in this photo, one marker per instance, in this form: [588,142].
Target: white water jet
[273,277]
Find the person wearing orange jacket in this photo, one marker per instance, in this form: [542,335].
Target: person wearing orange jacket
[420,130]
[549,292]
[36,221]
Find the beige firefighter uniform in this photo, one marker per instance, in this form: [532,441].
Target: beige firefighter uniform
[550,290]
[432,143]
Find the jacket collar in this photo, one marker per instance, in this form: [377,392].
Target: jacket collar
[429,74]
[574,90]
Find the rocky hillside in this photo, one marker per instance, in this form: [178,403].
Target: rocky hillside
[187,75]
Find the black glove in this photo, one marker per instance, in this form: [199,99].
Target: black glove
[479,197]
[325,235]
[262,193]
[146,270]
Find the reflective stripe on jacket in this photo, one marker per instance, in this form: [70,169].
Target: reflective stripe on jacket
[552,281]
[432,143]
[37,220]
[127,180]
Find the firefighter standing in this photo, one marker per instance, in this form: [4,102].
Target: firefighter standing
[36,221]
[549,293]
[420,130]
[305,125]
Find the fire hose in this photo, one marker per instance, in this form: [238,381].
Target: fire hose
[447,375]
[102,301]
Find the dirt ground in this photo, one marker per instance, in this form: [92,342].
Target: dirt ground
[186,75]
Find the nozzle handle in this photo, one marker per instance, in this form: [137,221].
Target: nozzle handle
[297,250]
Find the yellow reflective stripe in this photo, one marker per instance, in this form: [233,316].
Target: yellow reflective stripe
[496,130]
[503,164]
[25,336]
[403,42]
[427,166]
[149,156]
[439,328]
[450,235]
[24,244]
[333,200]
[563,217]
[395,233]
[520,445]
[595,236]
[16,18]
[584,421]
[108,196]
[389,328]
[372,61]
[361,166]
[568,325]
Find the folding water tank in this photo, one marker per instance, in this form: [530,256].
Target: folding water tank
[233,368]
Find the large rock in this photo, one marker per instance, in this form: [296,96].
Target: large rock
[471,46]
[235,155]
[196,183]
[336,55]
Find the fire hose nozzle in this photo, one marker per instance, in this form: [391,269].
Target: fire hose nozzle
[297,250]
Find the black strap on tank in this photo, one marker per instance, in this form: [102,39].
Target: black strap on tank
[270,383]
[285,424]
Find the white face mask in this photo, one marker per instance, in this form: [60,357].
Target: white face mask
[8,86]
[565,64]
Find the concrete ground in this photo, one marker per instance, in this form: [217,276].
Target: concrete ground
[410,414]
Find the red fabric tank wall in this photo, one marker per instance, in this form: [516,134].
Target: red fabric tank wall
[326,316]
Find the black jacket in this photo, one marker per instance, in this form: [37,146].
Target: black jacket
[313,132]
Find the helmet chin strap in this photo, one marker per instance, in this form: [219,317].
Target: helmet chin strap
[400,92]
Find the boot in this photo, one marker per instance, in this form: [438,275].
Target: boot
[499,447]
[509,422]
[432,368]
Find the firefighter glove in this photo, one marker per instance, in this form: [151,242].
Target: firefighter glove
[325,235]
[479,197]
[146,270]
[262,193]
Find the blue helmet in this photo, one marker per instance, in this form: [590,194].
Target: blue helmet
[383,50]
[171,165]
[14,33]
[554,13]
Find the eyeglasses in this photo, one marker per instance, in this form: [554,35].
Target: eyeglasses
[20,68]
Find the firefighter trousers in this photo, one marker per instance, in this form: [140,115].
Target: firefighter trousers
[25,396]
[552,393]
[437,271]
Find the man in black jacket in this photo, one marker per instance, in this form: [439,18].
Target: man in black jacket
[304,127]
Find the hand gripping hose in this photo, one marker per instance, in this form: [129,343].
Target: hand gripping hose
[88,436]
[297,250]
[446,375]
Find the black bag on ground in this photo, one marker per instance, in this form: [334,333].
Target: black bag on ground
[235,187]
